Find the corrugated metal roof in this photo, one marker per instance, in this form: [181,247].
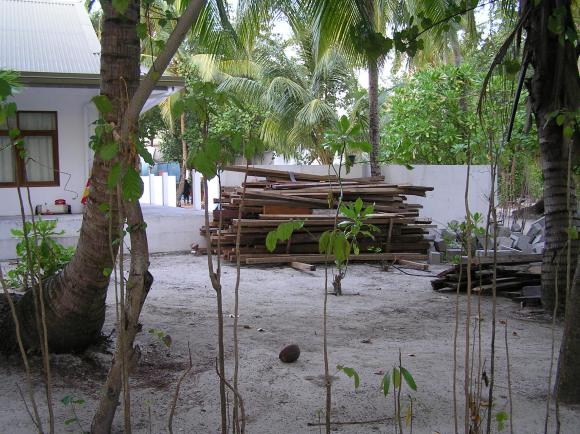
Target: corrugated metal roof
[47,36]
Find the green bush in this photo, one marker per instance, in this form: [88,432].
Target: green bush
[48,256]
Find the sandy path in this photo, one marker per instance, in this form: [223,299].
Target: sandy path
[389,311]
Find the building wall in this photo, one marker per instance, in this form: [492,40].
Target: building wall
[447,201]
[75,113]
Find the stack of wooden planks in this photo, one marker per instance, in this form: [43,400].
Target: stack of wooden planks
[513,273]
[281,196]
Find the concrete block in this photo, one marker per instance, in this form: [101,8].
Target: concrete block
[434,258]
[535,230]
[539,239]
[440,246]
[451,253]
[541,221]
[481,253]
[538,247]
[532,291]
[515,236]
[503,231]
[505,242]
[524,244]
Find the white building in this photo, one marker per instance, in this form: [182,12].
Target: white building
[53,47]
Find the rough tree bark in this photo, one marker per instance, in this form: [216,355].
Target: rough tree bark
[184,151]
[75,298]
[555,87]
[374,116]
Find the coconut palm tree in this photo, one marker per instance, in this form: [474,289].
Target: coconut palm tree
[299,95]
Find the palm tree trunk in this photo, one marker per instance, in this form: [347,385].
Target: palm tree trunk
[75,298]
[555,89]
[374,116]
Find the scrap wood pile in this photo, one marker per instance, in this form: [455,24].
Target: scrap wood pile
[281,196]
[518,276]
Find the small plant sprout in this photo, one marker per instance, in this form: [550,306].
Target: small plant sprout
[283,232]
[72,402]
[163,337]
[394,377]
[344,239]
[350,373]
[501,418]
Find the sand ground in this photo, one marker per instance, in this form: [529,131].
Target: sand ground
[380,314]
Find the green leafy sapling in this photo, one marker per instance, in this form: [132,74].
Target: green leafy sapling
[283,232]
[48,256]
[393,377]
[345,238]
[72,402]
[163,337]
[350,373]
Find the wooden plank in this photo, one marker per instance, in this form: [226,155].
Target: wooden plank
[508,259]
[320,258]
[414,265]
[279,174]
[301,266]
[282,209]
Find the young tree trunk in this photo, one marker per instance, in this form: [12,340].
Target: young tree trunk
[182,175]
[554,87]
[374,116]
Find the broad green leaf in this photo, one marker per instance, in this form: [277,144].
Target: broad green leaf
[113,176]
[102,103]
[396,378]
[107,271]
[358,204]
[271,241]
[343,124]
[132,187]
[108,151]
[142,30]
[213,150]
[204,165]
[285,230]
[5,89]
[568,131]
[409,379]
[386,383]
[347,211]
[144,153]
[340,247]
[361,146]
[324,242]
[298,224]
[572,232]
[351,373]
[67,399]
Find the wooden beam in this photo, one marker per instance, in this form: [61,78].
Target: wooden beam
[301,266]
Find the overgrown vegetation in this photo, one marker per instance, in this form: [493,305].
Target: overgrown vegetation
[48,255]
[245,93]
